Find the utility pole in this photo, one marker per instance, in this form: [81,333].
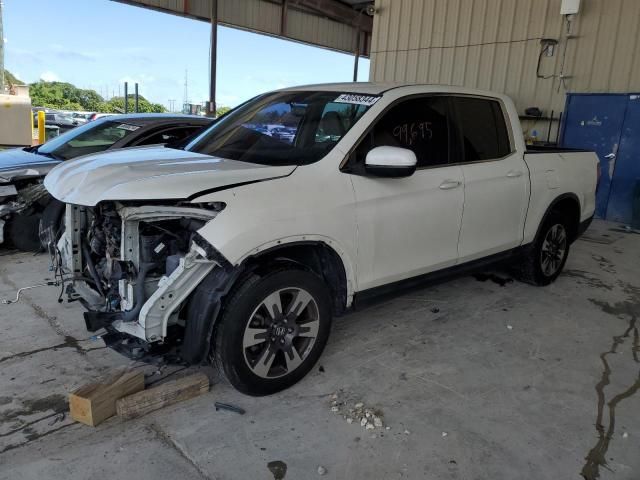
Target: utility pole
[136,98]
[126,97]
[1,52]
[186,90]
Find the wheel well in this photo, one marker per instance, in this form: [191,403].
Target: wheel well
[316,257]
[569,208]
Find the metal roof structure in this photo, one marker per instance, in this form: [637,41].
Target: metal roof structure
[343,26]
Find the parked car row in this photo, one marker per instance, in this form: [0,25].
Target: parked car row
[239,245]
[65,120]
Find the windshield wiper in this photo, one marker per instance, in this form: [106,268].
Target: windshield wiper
[45,154]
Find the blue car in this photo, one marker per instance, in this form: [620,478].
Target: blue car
[25,205]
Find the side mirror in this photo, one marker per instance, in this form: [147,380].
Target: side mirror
[391,162]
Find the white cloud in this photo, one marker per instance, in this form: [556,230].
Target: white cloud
[141,78]
[49,77]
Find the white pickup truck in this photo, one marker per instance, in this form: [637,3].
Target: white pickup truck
[241,246]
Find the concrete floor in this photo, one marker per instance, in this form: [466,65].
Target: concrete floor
[474,380]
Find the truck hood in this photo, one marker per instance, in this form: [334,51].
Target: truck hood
[150,173]
[18,163]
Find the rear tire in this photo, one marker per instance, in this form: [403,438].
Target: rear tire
[272,330]
[543,261]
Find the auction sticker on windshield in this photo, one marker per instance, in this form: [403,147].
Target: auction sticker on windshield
[367,100]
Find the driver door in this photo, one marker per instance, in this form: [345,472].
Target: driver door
[408,226]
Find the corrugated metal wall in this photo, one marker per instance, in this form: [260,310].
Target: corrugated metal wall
[495,44]
[265,17]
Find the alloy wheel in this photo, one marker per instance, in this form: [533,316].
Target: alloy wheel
[554,247]
[281,332]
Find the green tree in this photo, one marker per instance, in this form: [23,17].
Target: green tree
[222,110]
[64,96]
[116,105]
[10,79]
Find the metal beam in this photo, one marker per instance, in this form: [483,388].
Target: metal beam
[330,9]
[337,11]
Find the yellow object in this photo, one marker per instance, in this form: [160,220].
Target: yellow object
[41,130]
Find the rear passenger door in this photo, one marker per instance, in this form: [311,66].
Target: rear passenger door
[496,179]
[408,226]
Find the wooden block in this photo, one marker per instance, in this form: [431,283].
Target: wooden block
[95,402]
[168,393]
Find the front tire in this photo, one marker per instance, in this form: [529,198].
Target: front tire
[272,331]
[543,261]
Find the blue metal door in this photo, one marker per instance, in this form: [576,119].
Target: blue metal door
[594,122]
[626,177]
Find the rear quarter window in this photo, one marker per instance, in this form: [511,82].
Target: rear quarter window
[483,129]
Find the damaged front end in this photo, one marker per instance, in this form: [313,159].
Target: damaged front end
[134,267]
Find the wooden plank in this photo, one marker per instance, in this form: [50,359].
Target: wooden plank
[93,403]
[168,393]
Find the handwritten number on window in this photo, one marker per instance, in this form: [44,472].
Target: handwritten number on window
[410,133]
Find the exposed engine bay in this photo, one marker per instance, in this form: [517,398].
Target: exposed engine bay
[133,267]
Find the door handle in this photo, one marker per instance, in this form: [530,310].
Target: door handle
[610,156]
[449,184]
[514,174]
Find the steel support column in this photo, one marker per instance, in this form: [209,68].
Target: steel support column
[211,104]
[357,56]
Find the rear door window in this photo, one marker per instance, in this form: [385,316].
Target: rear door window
[482,127]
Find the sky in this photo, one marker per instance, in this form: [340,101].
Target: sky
[100,44]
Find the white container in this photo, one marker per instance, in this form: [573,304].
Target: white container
[15,120]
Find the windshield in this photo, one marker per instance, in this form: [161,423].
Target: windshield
[283,128]
[92,137]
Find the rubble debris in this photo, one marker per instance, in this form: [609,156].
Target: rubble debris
[356,411]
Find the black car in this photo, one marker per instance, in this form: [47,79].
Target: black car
[24,202]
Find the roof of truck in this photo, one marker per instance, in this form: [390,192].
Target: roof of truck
[378,88]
